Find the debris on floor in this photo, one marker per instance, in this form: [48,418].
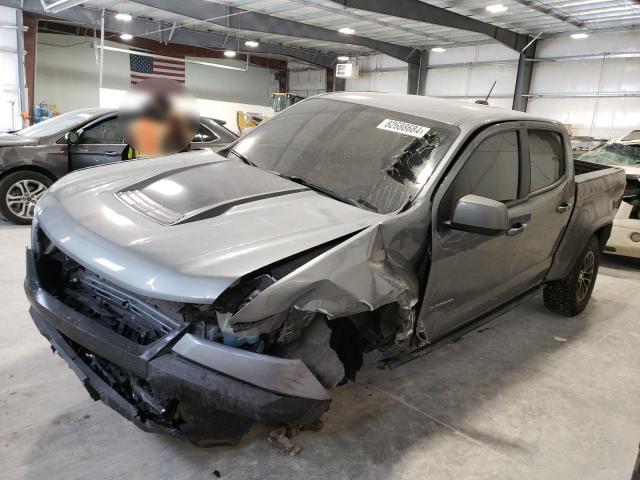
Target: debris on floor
[281,437]
[559,339]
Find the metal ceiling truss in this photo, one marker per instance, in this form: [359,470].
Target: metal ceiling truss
[160,31]
[426,13]
[235,18]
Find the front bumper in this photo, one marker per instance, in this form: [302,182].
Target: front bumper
[178,390]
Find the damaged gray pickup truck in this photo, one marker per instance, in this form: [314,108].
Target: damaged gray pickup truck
[202,292]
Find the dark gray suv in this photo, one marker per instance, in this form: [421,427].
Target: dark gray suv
[33,158]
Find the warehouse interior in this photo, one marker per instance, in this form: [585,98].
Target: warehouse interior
[514,391]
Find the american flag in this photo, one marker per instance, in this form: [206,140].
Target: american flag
[144,67]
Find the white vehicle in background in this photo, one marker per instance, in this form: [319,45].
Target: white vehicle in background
[623,152]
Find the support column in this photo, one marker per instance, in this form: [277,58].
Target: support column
[30,41]
[417,78]
[523,78]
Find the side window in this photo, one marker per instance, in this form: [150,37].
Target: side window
[204,135]
[547,158]
[490,171]
[107,132]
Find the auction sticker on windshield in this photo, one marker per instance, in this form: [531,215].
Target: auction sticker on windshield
[403,127]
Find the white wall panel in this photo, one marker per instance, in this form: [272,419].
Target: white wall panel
[469,81]
[566,77]
[602,117]
[374,78]
[597,43]
[621,75]
[480,53]
[67,76]
[10,118]
[443,82]
[614,116]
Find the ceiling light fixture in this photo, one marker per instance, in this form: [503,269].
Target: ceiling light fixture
[578,36]
[251,43]
[343,58]
[496,8]
[438,49]
[125,17]
[229,53]
[347,30]
[126,36]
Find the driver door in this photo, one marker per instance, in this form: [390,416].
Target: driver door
[472,273]
[99,143]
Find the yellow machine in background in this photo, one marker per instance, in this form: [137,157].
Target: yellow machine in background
[248,120]
[280,101]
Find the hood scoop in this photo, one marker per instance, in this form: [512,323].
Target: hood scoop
[202,191]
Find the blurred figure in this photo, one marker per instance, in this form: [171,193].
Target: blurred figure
[158,117]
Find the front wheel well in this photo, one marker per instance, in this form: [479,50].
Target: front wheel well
[30,168]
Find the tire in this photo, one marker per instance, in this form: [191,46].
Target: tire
[570,296]
[19,192]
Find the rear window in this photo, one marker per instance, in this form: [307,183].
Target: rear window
[546,153]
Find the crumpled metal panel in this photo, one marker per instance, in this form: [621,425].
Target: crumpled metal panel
[375,267]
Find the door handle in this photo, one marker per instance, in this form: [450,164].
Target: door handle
[563,207]
[517,228]
[111,153]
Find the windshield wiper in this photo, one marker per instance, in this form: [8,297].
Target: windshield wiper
[326,191]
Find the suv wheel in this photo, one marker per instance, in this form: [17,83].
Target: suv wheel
[570,296]
[19,193]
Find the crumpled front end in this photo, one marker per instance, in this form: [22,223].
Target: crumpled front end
[155,363]
[267,349]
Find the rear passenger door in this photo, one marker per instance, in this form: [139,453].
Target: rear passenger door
[550,198]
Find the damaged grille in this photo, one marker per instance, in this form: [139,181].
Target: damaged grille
[138,319]
[116,309]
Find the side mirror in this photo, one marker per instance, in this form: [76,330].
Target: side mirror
[480,215]
[72,137]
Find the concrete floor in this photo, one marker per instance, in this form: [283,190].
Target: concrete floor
[514,401]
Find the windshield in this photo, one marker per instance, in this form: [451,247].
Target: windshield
[614,154]
[375,158]
[55,125]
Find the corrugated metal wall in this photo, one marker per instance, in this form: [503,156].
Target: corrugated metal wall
[306,80]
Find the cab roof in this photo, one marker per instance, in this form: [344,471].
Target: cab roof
[452,112]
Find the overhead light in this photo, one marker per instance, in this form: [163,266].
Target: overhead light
[438,49]
[347,31]
[126,36]
[125,17]
[343,58]
[229,53]
[251,43]
[578,36]
[497,8]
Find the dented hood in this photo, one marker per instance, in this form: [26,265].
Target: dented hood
[186,227]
